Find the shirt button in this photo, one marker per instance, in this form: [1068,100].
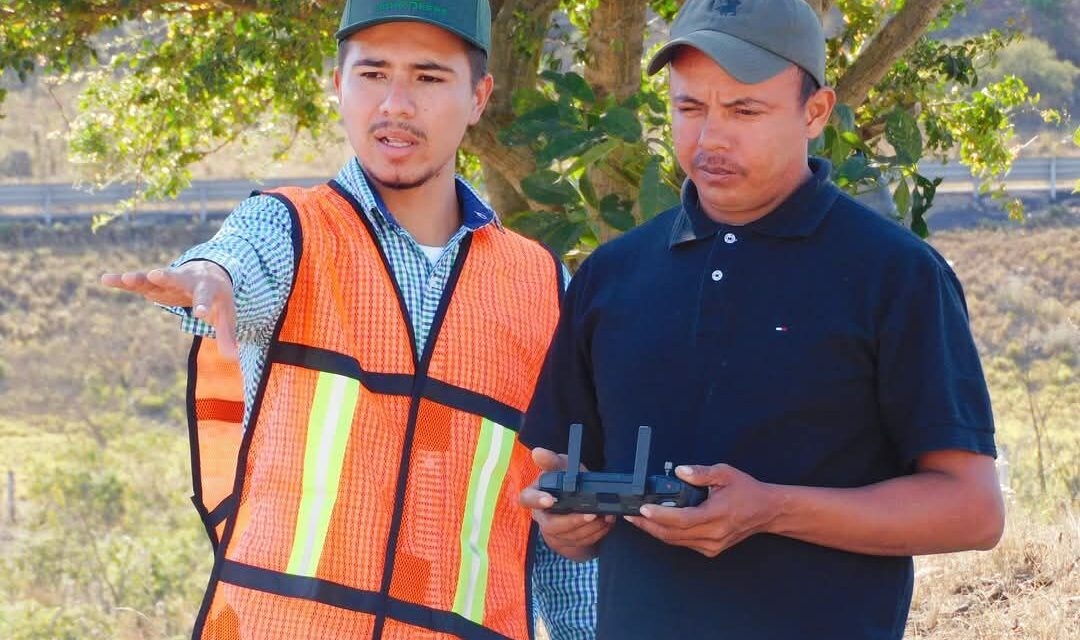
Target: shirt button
[730,238]
[717,275]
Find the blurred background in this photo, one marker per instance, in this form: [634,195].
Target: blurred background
[131,127]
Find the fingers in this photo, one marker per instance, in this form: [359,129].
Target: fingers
[548,460]
[225,326]
[533,498]
[692,538]
[577,530]
[717,475]
[168,279]
[159,285]
[213,303]
[676,517]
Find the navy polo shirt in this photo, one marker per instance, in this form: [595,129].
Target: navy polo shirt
[821,345]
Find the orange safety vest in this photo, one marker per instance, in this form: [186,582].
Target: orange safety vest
[374,494]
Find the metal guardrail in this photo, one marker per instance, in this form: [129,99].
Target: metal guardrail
[1027,174]
[204,198]
[54,201]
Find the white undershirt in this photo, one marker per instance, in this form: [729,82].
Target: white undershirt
[433,253]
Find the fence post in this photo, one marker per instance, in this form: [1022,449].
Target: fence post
[1053,177]
[11,495]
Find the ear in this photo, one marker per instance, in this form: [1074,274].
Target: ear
[337,84]
[481,95]
[818,109]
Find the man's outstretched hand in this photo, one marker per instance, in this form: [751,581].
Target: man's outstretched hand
[201,285]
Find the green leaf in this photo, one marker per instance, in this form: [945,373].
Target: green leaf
[543,120]
[919,226]
[528,99]
[578,87]
[902,132]
[621,122]
[564,236]
[566,144]
[840,150]
[546,188]
[1015,207]
[654,194]
[594,154]
[902,197]
[817,145]
[845,117]
[533,223]
[1076,137]
[617,212]
[855,141]
[854,169]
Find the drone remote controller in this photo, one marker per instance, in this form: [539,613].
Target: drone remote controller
[620,494]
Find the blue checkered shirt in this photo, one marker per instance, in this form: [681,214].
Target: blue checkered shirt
[254,245]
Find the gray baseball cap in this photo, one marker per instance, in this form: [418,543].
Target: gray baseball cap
[469,19]
[753,40]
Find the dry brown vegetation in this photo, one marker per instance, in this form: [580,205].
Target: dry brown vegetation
[91,386]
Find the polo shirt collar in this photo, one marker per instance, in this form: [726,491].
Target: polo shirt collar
[476,213]
[798,216]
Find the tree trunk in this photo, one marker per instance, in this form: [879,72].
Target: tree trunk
[517,43]
[502,195]
[614,52]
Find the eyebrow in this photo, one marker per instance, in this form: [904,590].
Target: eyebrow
[745,102]
[427,65]
[738,102]
[682,97]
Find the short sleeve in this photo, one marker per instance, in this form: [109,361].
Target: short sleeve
[931,389]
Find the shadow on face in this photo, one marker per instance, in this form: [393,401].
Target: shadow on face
[743,145]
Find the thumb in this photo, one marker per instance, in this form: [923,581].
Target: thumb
[717,475]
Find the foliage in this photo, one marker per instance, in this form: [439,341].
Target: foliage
[569,130]
[1044,73]
[257,68]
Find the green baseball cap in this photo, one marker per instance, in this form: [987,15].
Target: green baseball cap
[469,19]
[753,40]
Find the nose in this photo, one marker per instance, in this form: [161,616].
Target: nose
[717,134]
[398,102]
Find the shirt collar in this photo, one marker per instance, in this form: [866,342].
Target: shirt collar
[476,212]
[798,216]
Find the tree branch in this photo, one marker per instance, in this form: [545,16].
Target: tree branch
[884,49]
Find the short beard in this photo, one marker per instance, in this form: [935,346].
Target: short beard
[402,185]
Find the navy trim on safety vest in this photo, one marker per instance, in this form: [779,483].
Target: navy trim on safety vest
[298,355]
[245,444]
[222,511]
[473,402]
[359,209]
[348,598]
[410,429]
[396,384]
[193,439]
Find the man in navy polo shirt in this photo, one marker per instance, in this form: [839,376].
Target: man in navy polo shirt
[807,360]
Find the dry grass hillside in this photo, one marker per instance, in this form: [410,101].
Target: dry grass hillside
[106,545]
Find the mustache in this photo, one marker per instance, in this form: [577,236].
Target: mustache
[716,163]
[400,126]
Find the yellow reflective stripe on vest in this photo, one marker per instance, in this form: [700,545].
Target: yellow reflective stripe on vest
[488,472]
[324,455]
